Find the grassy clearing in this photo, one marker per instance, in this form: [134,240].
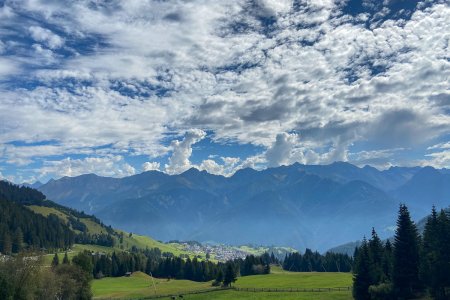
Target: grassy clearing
[75,250]
[296,280]
[45,211]
[138,241]
[141,285]
[142,242]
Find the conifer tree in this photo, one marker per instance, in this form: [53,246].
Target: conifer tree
[429,255]
[361,276]
[376,252]
[66,259]
[55,261]
[229,276]
[438,256]
[405,277]
[17,240]
[387,261]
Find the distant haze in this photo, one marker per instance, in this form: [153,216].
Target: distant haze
[315,206]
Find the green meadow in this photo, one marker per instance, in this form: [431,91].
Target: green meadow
[140,285]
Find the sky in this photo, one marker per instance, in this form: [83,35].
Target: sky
[116,88]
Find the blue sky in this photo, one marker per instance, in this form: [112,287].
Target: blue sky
[120,87]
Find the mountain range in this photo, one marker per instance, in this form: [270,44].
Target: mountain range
[314,206]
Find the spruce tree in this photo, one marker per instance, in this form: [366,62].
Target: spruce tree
[441,275]
[376,252]
[230,275]
[66,259]
[55,261]
[361,273]
[429,255]
[17,240]
[219,278]
[405,277]
[387,261]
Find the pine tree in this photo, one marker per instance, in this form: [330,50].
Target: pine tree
[405,277]
[230,275]
[387,261]
[376,252]
[429,255]
[361,273]
[219,278]
[435,255]
[55,261]
[66,259]
[17,240]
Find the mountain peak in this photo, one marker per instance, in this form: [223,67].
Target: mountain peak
[192,170]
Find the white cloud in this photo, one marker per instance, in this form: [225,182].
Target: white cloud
[227,168]
[46,36]
[114,166]
[150,166]
[154,68]
[281,150]
[440,146]
[437,159]
[182,150]
[8,67]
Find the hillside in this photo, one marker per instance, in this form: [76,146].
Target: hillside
[27,216]
[81,231]
[21,229]
[288,206]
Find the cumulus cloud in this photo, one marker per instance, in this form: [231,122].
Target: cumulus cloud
[281,150]
[150,166]
[228,166]
[182,151]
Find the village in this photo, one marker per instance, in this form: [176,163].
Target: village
[218,252]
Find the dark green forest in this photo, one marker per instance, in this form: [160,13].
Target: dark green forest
[315,262]
[20,229]
[410,267]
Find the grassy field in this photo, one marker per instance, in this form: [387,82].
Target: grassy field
[296,280]
[140,285]
[45,211]
[75,250]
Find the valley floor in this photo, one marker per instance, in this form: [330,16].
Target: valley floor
[140,285]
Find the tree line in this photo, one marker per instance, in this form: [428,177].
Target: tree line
[410,267]
[315,262]
[154,263]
